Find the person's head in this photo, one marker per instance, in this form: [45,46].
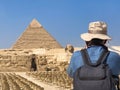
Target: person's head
[69,48]
[97,34]
[96,41]
[33,56]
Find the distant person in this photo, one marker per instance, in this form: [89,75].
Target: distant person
[69,49]
[33,63]
[82,67]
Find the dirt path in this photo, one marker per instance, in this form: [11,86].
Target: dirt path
[44,85]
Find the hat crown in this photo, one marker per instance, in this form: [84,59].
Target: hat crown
[97,27]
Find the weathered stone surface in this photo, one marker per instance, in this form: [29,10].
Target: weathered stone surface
[20,60]
[35,36]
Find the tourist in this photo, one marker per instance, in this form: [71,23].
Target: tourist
[33,63]
[69,49]
[95,40]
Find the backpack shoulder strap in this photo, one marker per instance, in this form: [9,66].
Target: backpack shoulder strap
[87,61]
[85,56]
[103,57]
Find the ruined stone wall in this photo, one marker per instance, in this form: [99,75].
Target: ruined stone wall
[14,63]
[20,60]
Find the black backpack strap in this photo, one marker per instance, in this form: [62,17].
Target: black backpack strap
[85,56]
[87,61]
[103,57]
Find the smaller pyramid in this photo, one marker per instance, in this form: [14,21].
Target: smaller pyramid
[35,36]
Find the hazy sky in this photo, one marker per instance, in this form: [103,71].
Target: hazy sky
[65,20]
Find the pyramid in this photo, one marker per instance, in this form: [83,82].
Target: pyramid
[35,36]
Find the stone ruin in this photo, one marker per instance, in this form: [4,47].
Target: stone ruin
[36,55]
[46,59]
[35,40]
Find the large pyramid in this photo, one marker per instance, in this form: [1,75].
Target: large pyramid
[35,36]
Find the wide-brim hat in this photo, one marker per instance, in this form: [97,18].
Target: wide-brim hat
[97,30]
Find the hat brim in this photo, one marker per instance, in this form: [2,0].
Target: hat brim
[89,37]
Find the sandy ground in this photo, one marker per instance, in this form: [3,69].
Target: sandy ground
[44,85]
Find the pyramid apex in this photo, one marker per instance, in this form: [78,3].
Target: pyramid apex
[35,23]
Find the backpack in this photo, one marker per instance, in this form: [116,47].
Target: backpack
[93,76]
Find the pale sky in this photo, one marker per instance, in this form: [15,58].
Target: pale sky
[65,20]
